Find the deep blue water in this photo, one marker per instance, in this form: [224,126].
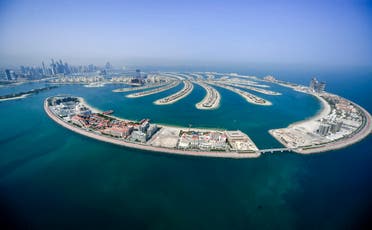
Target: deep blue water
[51,178]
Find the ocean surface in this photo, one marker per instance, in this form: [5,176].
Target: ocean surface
[52,178]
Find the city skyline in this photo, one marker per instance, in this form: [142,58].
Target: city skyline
[186,33]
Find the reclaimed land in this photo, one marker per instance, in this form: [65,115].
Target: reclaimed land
[234,155]
[264,91]
[15,96]
[361,133]
[184,92]
[247,96]
[129,89]
[153,91]
[211,100]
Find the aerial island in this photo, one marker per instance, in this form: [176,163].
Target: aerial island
[339,123]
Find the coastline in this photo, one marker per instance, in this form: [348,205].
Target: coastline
[324,111]
[233,155]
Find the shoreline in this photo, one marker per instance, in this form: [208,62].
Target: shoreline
[324,111]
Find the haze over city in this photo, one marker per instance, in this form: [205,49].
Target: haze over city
[334,33]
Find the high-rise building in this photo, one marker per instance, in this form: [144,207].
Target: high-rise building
[44,68]
[317,86]
[324,129]
[321,87]
[8,75]
[138,73]
[313,84]
[108,65]
[53,68]
[336,126]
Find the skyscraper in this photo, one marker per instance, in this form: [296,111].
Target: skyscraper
[321,87]
[317,86]
[324,129]
[138,73]
[313,84]
[44,68]
[108,65]
[7,75]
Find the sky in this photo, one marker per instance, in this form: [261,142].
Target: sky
[329,33]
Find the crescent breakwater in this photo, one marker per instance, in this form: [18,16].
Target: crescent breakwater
[338,124]
[166,139]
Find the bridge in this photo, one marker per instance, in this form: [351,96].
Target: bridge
[273,150]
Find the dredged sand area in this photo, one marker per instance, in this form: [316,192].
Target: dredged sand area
[212,98]
[184,92]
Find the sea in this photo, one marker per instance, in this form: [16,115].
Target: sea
[52,178]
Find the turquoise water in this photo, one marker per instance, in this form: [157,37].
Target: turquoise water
[51,178]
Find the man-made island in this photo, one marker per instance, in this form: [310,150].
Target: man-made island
[338,124]
[20,95]
[75,114]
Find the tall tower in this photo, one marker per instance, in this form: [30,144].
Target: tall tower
[313,84]
[44,69]
[321,87]
[138,73]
